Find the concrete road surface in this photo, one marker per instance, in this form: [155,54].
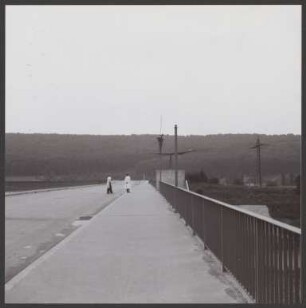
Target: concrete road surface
[36,221]
[137,250]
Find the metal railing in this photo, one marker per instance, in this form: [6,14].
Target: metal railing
[263,254]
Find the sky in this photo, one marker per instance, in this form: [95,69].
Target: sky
[119,69]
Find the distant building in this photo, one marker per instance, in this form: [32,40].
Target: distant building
[273,180]
[223,181]
[280,179]
[249,180]
[168,176]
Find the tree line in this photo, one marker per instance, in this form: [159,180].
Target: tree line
[94,156]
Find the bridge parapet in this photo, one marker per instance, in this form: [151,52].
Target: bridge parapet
[263,254]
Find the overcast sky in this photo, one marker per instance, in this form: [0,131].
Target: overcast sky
[117,69]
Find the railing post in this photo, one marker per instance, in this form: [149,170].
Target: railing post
[175,207]
[256,265]
[222,240]
[185,213]
[204,224]
[174,199]
[192,215]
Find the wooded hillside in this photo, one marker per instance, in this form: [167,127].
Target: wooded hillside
[92,156]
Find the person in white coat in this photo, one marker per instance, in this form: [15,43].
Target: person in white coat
[127,183]
[109,189]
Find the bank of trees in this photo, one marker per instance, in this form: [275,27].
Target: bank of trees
[82,156]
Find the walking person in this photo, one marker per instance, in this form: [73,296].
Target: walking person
[127,183]
[109,189]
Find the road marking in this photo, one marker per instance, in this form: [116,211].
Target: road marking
[60,234]
[21,275]
[77,223]
[85,217]
[27,247]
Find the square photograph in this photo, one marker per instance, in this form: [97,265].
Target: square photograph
[152,154]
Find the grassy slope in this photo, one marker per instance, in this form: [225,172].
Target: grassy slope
[283,202]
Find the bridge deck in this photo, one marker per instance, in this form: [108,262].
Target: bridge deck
[134,251]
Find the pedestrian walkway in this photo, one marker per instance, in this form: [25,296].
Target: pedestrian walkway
[136,250]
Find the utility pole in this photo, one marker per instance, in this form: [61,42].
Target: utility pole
[258,161]
[175,151]
[160,140]
[257,146]
[170,160]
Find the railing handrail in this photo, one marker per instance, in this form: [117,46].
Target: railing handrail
[244,211]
